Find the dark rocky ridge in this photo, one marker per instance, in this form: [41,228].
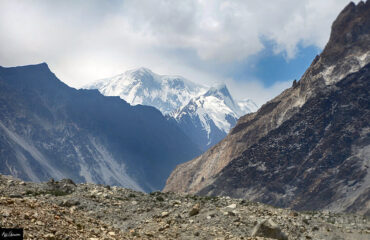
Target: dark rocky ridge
[348,51]
[351,26]
[48,129]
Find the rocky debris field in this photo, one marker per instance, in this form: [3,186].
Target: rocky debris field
[64,210]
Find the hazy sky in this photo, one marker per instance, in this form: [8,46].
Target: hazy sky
[256,47]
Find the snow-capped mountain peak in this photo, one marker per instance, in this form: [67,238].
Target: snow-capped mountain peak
[221,92]
[140,70]
[144,76]
[209,117]
[219,88]
[214,105]
[142,86]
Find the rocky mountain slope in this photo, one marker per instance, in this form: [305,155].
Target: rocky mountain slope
[64,210]
[205,116]
[309,147]
[48,129]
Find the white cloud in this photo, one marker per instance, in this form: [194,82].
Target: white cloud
[86,40]
[256,90]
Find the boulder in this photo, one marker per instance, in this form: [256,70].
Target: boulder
[268,229]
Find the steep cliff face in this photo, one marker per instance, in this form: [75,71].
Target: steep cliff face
[48,129]
[317,159]
[347,51]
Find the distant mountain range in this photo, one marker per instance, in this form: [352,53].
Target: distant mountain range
[49,130]
[142,86]
[308,148]
[205,114]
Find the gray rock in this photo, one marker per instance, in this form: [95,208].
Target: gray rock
[69,203]
[194,210]
[15,195]
[268,229]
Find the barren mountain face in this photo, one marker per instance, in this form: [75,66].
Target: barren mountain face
[311,140]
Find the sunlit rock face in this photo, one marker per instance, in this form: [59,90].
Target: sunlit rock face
[308,148]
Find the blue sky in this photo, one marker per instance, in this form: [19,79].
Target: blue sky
[256,47]
[270,67]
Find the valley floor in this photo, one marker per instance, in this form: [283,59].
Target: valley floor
[64,210]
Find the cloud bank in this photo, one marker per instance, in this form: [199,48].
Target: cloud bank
[86,40]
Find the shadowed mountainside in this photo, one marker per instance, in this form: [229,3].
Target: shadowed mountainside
[48,129]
